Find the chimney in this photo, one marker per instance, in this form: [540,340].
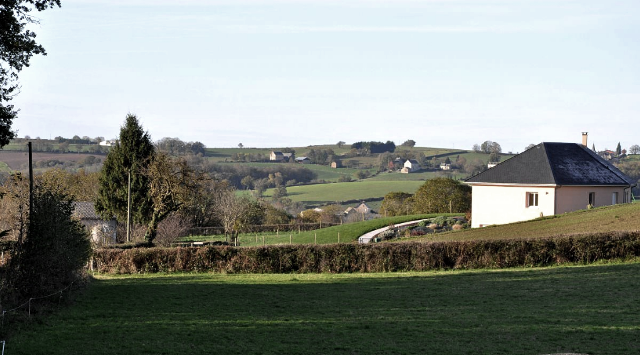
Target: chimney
[584,138]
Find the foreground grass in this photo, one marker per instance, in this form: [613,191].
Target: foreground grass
[589,309]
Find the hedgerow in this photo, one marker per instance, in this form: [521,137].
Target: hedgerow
[383,257]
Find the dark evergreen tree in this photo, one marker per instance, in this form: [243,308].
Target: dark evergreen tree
[618,149]
[593,147]
[133,153]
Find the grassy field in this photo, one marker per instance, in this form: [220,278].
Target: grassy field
[344,191]
[623,217]
[16,160]
[418,176]
[347,233]
[323,172]
[586,309]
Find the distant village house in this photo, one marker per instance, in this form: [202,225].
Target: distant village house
[410,166]
[280,156]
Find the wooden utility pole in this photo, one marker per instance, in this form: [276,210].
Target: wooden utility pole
[30,183]
[129,207]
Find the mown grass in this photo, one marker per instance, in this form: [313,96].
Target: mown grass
[623,217]
[587,309]
[4,167]
[346,232]
[345,191]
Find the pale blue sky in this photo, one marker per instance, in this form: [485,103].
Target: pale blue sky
[275,73]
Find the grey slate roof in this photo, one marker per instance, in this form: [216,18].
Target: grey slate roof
[555,164]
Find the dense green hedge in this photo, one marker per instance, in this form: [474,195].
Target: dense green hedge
[338,258]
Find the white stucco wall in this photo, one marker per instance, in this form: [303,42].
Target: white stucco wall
[491,204]
[500,204]
[573,198]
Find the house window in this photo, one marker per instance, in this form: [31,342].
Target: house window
[614,198]
[592,199]
[532,199]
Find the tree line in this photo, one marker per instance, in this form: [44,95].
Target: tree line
[375,147]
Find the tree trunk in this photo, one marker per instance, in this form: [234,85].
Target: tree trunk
[152,229]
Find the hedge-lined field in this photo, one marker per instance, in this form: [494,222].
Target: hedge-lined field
[586,310]
[341,258]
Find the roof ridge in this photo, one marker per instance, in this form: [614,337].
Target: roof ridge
[551,166]
[609,166]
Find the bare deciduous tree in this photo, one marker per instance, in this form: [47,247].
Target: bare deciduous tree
[229,210]
[172,184]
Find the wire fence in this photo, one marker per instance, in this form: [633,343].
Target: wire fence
[27,306]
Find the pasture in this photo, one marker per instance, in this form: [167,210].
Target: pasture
[344,233]
[19,160]
[622,217]
[322,194]
[586,309]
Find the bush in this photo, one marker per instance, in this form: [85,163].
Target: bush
[375,257]
[55,251]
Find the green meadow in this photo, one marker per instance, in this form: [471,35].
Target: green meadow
[344,233]
[586,309]
[345,191]
[622,217]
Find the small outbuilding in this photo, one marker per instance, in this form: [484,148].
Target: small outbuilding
[102,231]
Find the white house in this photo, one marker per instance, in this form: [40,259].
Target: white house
[280,156]
[412,165]
[548,179]
[108,143]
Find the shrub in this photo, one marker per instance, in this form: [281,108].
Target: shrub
[336,258]
[55,251]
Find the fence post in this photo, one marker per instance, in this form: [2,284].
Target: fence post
[289,239]
[338,237]
[315,238]
[263,240]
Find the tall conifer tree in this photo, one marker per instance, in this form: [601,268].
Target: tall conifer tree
[132,152]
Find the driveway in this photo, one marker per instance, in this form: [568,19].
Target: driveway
[366,238]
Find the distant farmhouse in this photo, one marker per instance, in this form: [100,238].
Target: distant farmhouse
[360,210]
[548,179]
[411,166]
[280,156]
[108,143]
[303,160]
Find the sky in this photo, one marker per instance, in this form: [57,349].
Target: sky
[286,73]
